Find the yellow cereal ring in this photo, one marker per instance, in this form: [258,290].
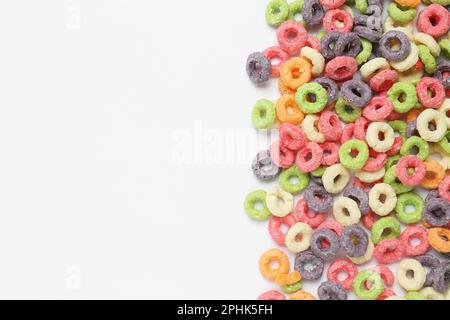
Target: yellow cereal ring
[287,279]
[302,295]
[273,256]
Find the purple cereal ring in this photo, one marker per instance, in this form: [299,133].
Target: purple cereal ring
[259,68]
[331,87]
[431,262]
[369,34]
[348,44]
[330,238]
[386,49]
[318,199]
[313,12]
[441,277]
[354,240]
[433,194]
[411,129]
[331,290]
[360,20]
[328,44]
[356,93]
[437,212]
[309,266]
[359,196]
[443,67]
[263,167]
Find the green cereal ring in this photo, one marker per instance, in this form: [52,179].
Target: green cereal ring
[295,9]
[254,198]
[305,92]
[427,58]
[385,228]
[346,112]
[401,14]
[350,3]
[320,35]
[362,5]
[409,199]
[292,288]
[348,160]
[263,114]
[444,144]
[404,96]
[445,46]
[441,2]
[376,287]
[415,144]
[427,2]
[391,179]
[277,12]
[414,295]
[392,161]
[399,127]
[319,171]
[365,53]
[288,174]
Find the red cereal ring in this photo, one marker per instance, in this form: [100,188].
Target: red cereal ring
[332,4]
[313,42]
[431,92]
[341,68]
[343,266]
[309,158]
[386,274]
[292,137]
[411,162]
[375,162]
[360,130]
[398,143]
[338,20]
[333,225]
[292,37]
[434,20]
[414,232]
[281,156]
[383,80]
[386,294]
[388,251]
[444,188]
[369,220]
[379,108]
[275,227]
[330,126]
[272,295]
[330,153]
[347,132]
[276,53]
[303,214]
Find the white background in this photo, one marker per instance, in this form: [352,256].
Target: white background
[93,96]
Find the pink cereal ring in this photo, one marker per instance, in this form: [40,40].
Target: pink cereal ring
[411,162]
[418,66]
[386,294]
[444,189]
[333,225]
[310,217]
[398,143]
[385,273]
[333,20]
[369,220]
[309,158]
[282,157]
[330,153]
[414,232]
[347,132]
[388,251]
[383,80]
[292,37]
[434,20]
[313,42]
[275,227]
[375,162]
[279,54]
[330,126]
[271,295]
[379,108]
[343,266]
[341,68]
[332,4]
[292,137]
[435,98]
[360,130]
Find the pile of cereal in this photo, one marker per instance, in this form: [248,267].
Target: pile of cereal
[364,135]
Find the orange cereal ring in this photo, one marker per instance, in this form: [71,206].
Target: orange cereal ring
[273,256]
[295,72]
[408,3]
[433,175]
[285,90]
[302,295]
[288,111]
[413,114]
[287,279]
[439,239]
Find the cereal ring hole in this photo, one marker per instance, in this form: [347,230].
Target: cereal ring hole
[274,265]
[284,228]
[410,208]
[381,136]
[432,126]
[410,274]
[414,241]
[430,175]
[386,233]
[342,276]
[258,205]
[299,237]
[382,198]
[394,44]
[294,180]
